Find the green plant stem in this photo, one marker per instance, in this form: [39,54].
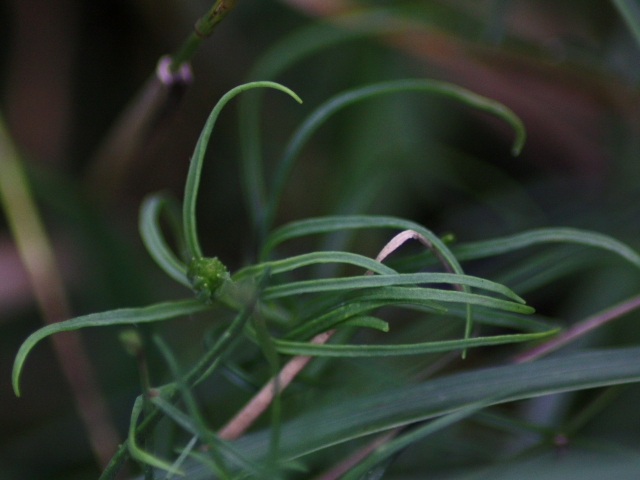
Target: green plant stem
[37,255]
[204,28]
[159,96]
[204,368]
[155,101]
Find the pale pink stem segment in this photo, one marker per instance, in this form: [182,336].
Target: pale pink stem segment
[579,329]
[397,241]
[259,403]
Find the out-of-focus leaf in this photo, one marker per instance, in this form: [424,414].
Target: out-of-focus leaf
[393,407]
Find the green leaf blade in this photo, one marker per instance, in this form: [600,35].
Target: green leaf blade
[153,313]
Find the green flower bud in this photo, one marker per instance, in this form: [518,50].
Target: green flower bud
[206,276]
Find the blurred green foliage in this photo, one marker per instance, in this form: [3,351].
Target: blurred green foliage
[568,68]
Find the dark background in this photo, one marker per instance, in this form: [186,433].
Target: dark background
[568,68]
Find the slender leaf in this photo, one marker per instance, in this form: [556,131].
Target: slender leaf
[630,11]
[408,294]
[333,223]
[139,454]
[366,321]
[352,307]
[154,240]
[332,350]
[398,444]
[322,113]
[329,224]
[195,168]
[349,283]
[498,246]
[279,57]
[392,407]
[153,313]
[306,259]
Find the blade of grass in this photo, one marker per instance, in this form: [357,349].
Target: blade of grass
[352,351]
[153,313]
[153,239]
[630,12]
[195,167]
[298,261]
[352,283]
[394,407]
[322,113]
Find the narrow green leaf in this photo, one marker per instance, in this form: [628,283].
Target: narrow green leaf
[153,313]
[322,113]
[298,261]
[392,407]
[408,294]
[372,281]
[498,246]
[154,240]
[486,316]
[227,448]
[280,56]
[195,168]
[352,307]
[314,226]
[630,11]
[139,454]
[333,350]
[367,322]
[396,445]
[329,224]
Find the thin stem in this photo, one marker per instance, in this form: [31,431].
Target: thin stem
[205,367]
[163,90]
[154,102]
[578,330]
[37,255]
[203,28]
[259,403]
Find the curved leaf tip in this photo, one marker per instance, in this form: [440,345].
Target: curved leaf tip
[123,316]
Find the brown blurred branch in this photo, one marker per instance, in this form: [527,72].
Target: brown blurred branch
[39,260]
[155,102]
